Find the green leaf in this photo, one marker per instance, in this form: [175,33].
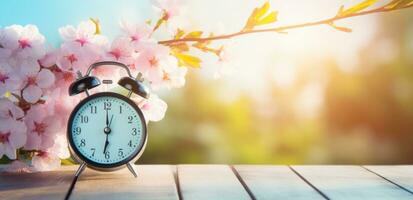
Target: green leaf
[356,8]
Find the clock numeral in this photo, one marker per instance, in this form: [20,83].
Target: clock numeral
[93,109]
[107,105]
[84,119]
[120,152]
[93,151]
[134,131]
[130,118]
[120,109]
[107,155]
[78,130]
[82,142]
[130,143]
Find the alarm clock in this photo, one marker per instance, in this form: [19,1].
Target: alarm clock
[107,131]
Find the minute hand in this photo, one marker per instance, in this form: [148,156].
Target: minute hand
[110,122]
[107,118]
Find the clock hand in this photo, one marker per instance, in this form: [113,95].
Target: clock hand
[110,122]
[107,118]
[106,144]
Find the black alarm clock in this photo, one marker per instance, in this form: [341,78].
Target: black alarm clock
[107,131]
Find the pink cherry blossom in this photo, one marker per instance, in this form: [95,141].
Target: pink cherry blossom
[121,50]
[50,58]
[71,57]
[42,127]
[60,146]
[9,80]
[169,8]
[6,44]
[172,75]
[81,46]
[17,166]
[226,63]
[153,108]
[45,161]
[26,42]
[12,136]
[34,83]
[151,60]
[83,36]
[136,32]
[9,110]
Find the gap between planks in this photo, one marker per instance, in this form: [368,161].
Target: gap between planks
[385,173]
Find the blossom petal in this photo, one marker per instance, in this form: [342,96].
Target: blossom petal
[154,109]
[67,33]
[45,162]
[9,152]
[18,137]
[45,78]
[32,94]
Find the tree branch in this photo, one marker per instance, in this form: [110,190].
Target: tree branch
[282,28]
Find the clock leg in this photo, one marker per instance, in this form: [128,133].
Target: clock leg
[132,169]
[80,169]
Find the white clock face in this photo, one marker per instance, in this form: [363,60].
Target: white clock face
[107,129]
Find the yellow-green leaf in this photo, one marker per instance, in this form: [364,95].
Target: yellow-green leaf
[259,16]
[399,4]
[194,34]
[261,11]
[158,23]
[179,34]
[251,20]
[270,18]
[356,8]
[97,25]
[180,47]
[188,60]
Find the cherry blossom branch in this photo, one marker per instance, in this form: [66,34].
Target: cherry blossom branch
[281,29]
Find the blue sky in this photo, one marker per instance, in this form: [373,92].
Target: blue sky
[277,55]
[49,15]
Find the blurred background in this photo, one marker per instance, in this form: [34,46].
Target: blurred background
[312,96]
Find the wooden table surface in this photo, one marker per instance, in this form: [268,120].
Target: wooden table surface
[216,182]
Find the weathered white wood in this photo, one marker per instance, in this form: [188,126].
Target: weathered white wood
[351,182]
[198,182]
[39,185]
[153,182]
[399,174]
[275,182]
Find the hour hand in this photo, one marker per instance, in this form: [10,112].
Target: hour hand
[106,144]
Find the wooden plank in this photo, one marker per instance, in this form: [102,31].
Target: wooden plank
[275,182]
[350,182]
[210,182]
[153,182]
[39,185]
[401,175]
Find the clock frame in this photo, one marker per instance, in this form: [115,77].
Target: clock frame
[111,166]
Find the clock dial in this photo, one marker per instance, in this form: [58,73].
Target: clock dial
[107,130]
